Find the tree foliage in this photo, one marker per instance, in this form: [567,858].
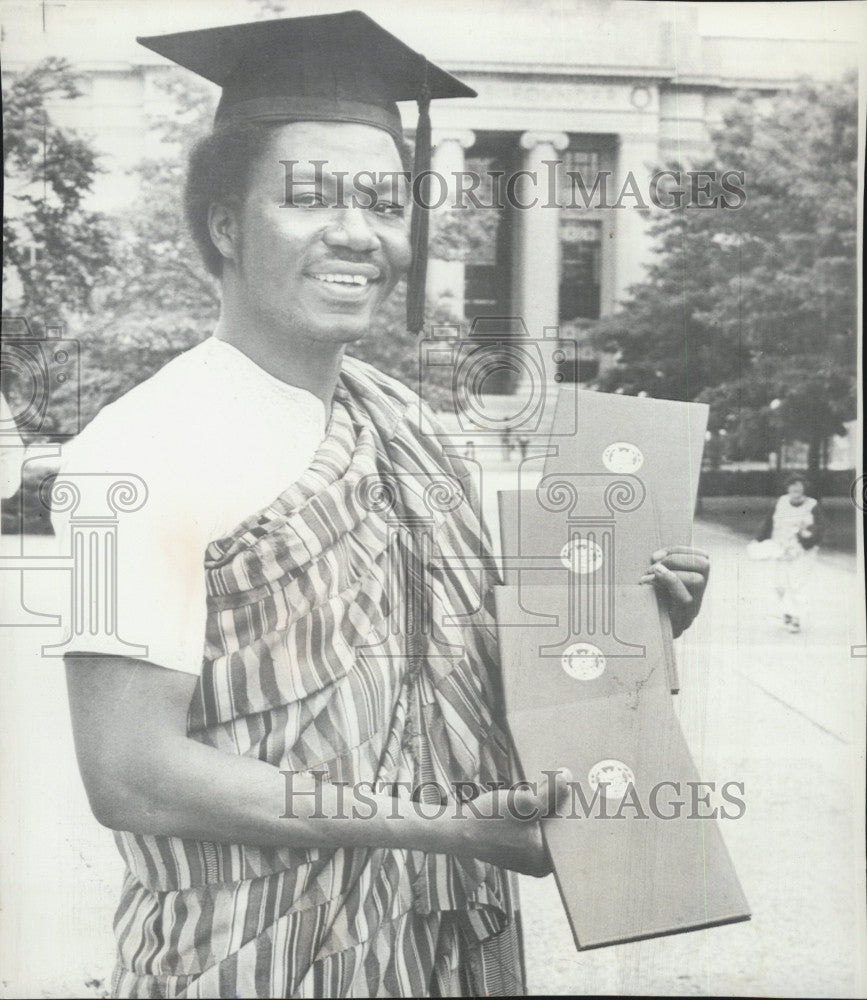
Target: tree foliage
[56,251]
[55,247]
[753,309]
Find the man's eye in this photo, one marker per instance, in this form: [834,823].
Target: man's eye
[309,199]
[389,208]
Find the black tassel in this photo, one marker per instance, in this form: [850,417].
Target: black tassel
[420,225]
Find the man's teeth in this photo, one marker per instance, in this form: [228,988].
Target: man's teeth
[342,279]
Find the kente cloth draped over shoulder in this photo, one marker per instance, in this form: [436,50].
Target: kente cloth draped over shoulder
[349,631]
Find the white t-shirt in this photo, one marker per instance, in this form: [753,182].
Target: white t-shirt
[215,439]
[789,519]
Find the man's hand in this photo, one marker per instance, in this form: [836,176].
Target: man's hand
[679,574]
[502,827]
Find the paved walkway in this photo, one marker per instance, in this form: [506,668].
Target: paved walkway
[782,713]
[785,715]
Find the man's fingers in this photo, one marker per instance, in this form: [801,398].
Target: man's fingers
[671,584]
[681,573]
[670,550]
[687,562]
[695,583]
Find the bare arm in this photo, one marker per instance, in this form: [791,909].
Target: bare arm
[143,774]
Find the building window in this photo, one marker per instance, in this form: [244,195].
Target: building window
[584,171]
[580,161]
[483,291]
[488,231]
[580,264]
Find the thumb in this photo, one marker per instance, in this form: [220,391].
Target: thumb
[554,791]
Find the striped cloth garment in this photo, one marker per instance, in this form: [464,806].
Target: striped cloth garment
[350,631]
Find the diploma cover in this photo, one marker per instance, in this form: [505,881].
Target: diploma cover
[588,668]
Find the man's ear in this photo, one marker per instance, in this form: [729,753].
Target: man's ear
[223,227]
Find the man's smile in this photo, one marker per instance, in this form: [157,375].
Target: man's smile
[344,272]
[345,280]
[342,279]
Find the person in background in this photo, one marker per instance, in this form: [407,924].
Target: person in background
[796,525]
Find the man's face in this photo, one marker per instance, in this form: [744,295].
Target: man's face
[309,261]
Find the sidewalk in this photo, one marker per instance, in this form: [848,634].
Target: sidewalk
[785,715]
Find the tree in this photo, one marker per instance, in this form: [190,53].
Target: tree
[56,252]
[55,247]
[756,305]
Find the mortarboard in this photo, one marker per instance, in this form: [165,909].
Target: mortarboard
[332,67]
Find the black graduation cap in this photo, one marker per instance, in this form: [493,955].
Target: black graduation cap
[331,67]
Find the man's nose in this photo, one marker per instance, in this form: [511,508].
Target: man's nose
[351,228]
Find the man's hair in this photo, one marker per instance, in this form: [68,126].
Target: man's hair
[796,477]
[219,170]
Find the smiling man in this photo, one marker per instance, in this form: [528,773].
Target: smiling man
[282,765]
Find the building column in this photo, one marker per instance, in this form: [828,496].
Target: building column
[445,278]
[537,273]
[637,155]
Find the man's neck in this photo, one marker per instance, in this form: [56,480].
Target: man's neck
[310,365]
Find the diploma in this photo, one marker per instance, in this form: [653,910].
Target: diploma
[587,674]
